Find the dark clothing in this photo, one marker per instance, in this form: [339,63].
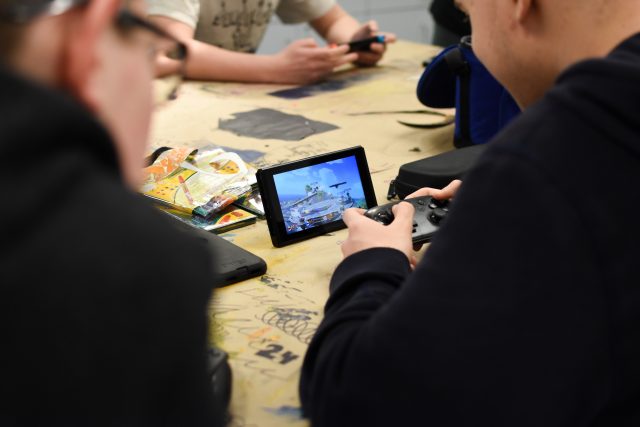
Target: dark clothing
[103,306]
[525,310]
[446,14]
[444,37]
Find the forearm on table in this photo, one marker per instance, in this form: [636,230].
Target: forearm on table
[207,62]
[361,285]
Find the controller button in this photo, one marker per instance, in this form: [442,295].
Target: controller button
[437,215]
[384,217]
[435,203]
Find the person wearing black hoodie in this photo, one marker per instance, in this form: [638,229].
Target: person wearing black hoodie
[103,302]
[525,309]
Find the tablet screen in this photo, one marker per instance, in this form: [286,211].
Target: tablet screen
[317,195]
[307,197]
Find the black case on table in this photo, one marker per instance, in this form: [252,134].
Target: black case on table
[435,172]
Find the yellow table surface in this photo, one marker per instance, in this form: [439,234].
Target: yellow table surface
[265,324]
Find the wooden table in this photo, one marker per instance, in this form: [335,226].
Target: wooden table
[265,324]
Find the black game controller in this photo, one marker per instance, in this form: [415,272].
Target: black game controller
[429,214]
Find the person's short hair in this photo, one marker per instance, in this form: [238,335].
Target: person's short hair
[9,32]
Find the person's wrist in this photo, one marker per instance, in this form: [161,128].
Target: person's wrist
[269,68]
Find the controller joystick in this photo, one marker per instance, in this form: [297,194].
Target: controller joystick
[385,217]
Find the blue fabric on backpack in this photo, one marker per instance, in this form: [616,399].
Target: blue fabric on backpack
[456,78]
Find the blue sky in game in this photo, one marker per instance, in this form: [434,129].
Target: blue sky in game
[291,185]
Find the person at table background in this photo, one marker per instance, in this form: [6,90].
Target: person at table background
[223,36]
[104,303]
[525,309]
[450,23]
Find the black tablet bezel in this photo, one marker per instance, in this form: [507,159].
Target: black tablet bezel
[273,212]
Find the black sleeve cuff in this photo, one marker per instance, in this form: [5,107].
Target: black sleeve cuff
[380,264]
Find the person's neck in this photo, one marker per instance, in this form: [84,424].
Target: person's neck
[38,55]
[598,37]
[577,45]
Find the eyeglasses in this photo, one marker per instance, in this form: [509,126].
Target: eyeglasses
[175,50]
[22,12]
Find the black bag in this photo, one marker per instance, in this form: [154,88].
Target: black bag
[435,172]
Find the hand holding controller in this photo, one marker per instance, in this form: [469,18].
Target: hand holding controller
[364,45]
[429,213]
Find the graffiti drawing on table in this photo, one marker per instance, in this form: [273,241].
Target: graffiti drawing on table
[319,194]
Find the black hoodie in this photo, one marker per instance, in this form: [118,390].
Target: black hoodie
[103,306]
[525,310]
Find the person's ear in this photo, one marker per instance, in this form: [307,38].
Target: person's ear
[523,10]
[82,56]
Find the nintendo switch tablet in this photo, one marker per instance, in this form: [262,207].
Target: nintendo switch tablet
[306,198]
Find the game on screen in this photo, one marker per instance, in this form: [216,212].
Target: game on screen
[319,194]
